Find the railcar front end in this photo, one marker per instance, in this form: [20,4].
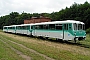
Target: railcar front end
[79,31]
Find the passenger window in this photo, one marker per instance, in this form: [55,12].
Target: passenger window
[45,26]
[70,27]
[52,26]
[28,27]
[36,27]
[17,27]
[58,26]
[5,27]
[40,26]
[20,27]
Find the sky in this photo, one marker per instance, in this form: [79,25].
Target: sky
[35,6]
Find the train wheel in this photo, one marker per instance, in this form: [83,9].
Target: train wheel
[76,40]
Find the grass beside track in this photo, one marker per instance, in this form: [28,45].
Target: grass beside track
[7,54]
[23,50]
[86,43]
[53,51]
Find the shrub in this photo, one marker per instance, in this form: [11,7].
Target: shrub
[88,30]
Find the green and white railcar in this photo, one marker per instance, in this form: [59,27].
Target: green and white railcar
[65,30]
[23,29]
[10,29]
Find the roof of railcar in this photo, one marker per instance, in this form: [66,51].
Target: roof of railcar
[53,22]
[57,22]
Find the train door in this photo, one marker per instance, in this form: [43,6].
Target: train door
[65,31]
[27,30]
[33,30]
[15,29]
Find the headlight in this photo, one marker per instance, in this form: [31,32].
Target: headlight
[74,33]
[85,33]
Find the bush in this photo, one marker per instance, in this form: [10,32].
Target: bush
[88,30]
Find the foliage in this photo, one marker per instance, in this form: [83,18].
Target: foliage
[80,12]
[88,30]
